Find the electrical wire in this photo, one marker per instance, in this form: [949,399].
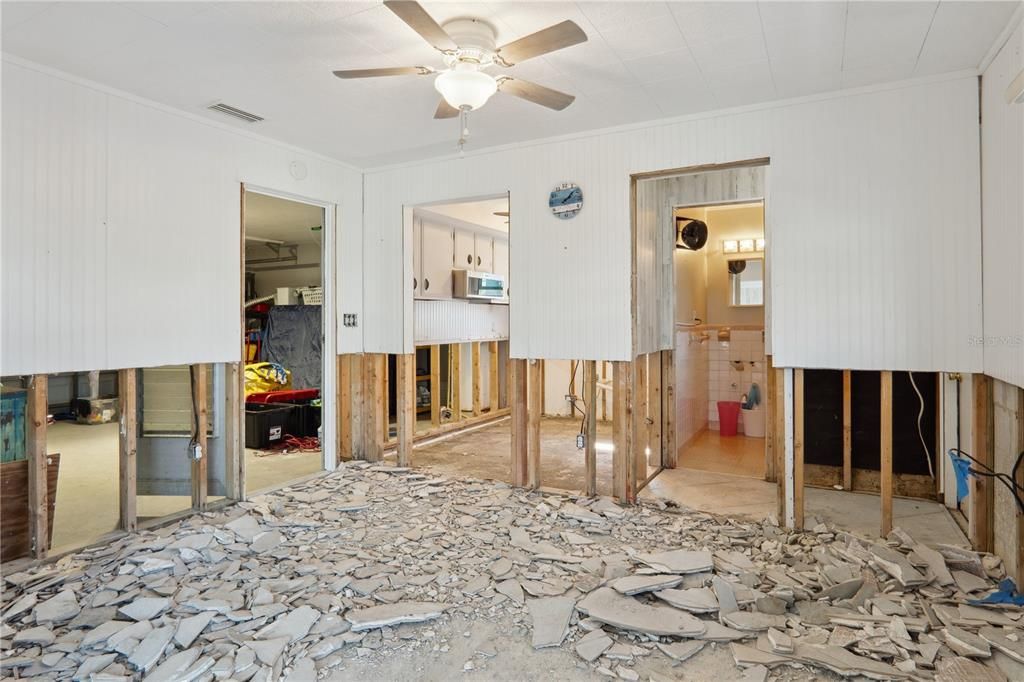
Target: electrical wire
[194,439]
[920,434]
[572,381]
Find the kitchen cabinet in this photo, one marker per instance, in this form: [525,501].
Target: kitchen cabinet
[436,256]
[484,248]
[465,249]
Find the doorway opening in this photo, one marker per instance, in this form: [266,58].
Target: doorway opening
[289,362]
[720,354]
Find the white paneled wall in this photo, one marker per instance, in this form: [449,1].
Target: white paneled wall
[120,241]
[1002,154]
[872,212]
[458,321]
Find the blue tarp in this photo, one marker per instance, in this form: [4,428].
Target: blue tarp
[294,338]
[962,470]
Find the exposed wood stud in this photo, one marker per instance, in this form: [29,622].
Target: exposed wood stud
[358,405]
[590,399]
[372,451]
[654,410]
[885,473]
[455,372]
[536,390]
[1020,481]
[623,483]
[847,430]
[604,394]
[199,464]
[345,449]
[641,423]
[543,383]
[493,380]
[669,454]
[778,418]
[982,492]
[127,447]
[35,440]
[788,472]
[435,386]
[798,449]
[475,355]
[385,431]
[770,471]
[405,406]
[234,446]
[518,396]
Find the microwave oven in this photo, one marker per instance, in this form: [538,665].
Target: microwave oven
[477,285]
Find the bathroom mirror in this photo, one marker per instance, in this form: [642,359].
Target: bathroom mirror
[746,281]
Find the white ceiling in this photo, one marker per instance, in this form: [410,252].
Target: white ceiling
[643,60]
[476,212]
[287,221]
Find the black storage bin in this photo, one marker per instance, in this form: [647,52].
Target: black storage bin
[306,419]
[267,425]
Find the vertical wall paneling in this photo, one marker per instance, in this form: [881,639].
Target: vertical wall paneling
[838,298]
[1002,159]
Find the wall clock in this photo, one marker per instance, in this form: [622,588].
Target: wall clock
[566,200]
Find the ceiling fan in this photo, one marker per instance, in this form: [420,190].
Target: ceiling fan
[468,47]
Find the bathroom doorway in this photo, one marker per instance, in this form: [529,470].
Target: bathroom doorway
[721,363]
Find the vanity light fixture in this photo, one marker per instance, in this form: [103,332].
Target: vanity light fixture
[730,246]
[759,245]
[746,246]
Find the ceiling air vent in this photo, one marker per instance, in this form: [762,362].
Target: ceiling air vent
[237,113]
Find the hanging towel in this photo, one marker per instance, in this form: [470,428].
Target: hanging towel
[753,397]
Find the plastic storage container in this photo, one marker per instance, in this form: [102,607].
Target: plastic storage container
[13,402]
[728,417]
[266,425]
[753,422]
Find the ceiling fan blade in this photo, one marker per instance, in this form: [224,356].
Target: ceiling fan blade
[538,94]
[413,14]
[387,71]
[565,34]
[503,214]
[445,110]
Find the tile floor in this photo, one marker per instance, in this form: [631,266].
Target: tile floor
[738,455]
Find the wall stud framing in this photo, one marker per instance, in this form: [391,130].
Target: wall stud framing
[493,385]
[127,448]
[475,356]
[536,392]
[386,398]
[405,406]
[200,464]
[770,455]
[982,492]
[518,402]
[590,400]
[435,386]
[455,372]
[235,430]
[777,403]
[669,454]
[372,412]
[35,437]
[604,394]
[655,435]
[641,423]
[788,472]
[345,445]
[798,449]
[847,430]
[885,473]
[623,482]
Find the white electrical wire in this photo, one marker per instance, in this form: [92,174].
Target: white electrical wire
[920,434]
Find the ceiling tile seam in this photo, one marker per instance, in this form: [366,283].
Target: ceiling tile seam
[924,41]
[768,54]
[846,31]
[1015,20]
[686,42]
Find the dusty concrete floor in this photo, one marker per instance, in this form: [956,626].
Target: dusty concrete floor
[738,455]
[741,496]
[87,485]
[484,453]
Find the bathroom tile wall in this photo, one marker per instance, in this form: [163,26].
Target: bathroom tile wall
[691,384]
[733,366]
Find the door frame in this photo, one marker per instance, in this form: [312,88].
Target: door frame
[328,278]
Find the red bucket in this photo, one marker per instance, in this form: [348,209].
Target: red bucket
[728,417]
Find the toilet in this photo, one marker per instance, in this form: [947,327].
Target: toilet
[753,422]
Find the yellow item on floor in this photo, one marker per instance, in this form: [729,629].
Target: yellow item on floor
[262,377]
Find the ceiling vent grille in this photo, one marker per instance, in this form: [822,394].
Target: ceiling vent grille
[237,113]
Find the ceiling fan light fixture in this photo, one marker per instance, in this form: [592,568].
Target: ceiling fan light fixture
[466,88]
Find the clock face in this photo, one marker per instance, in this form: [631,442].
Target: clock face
[566,200]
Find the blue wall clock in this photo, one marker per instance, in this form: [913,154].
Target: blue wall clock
[566,200]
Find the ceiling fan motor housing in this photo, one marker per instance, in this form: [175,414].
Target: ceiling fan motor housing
[476,40]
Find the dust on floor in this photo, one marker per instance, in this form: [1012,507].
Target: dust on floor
[379,572]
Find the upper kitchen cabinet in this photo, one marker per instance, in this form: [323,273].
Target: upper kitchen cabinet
[436,260]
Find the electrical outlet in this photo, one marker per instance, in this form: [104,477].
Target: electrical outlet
[581,441]
[197,452]
[349,320]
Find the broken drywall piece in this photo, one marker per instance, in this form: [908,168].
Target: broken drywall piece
[592,645]
[393,614]
[678,561]
[636,584]
[550,620]
[725,594]
[608,606]
[693,599]
[680,651]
